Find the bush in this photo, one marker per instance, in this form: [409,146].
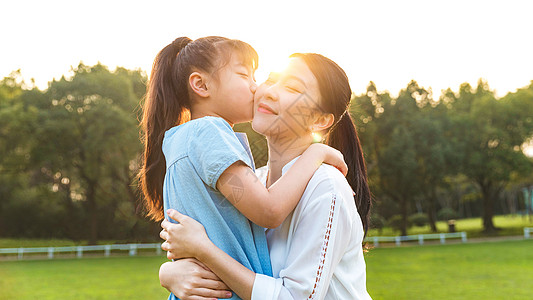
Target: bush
[419,219]
[395,222]
[377,222]
[446,214]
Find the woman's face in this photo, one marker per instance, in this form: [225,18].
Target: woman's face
[286,105]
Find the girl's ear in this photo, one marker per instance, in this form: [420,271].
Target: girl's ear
[198,84]
[322,122]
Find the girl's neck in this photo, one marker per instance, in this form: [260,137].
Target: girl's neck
[278,157]
[198,111]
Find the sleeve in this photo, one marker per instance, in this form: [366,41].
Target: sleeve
[318,243]
[214,148]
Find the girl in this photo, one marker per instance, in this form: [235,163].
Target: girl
[317,252]
[195,163]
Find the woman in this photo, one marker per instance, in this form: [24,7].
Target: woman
[317,251]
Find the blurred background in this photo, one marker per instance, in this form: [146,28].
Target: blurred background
[442,99]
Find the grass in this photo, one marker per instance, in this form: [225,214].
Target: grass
[499,270]
[508,224]
[88,278]
[496,270]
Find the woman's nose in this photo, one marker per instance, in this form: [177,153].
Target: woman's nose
[253,87]
[271,93]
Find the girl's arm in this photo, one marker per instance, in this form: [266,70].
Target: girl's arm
[269,207]
[190,279]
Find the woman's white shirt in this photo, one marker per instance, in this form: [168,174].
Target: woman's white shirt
[316,252]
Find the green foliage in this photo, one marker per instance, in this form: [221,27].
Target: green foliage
[421,148]
[396,222]
[71,156]
[446,213]
[419,219]
[377,221]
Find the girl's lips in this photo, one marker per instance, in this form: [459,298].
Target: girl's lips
[265,109]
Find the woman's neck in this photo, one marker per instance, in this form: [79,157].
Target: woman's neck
[278,157]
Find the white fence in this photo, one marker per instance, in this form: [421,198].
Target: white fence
[132,248]
[527,231]
[419,237]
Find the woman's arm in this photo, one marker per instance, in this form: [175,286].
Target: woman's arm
[317,245]
[321,235]
[188,239]
[189,279]
[269,207]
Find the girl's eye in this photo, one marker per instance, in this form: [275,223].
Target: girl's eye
[243,74]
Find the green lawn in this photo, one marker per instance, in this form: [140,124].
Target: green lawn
[497,270]
[510,225]
[87,278]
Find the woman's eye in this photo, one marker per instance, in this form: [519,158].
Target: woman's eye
[243,74]
[293,89]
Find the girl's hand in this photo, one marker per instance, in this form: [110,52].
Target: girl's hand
[185,239]
[330,156]
[190,279]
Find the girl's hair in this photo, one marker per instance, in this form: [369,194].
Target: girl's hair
[168,102]
[336,94]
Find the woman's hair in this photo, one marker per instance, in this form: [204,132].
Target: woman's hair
[168,102]
[335,99]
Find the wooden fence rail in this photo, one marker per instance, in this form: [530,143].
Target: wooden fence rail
[132,248]
[418,237]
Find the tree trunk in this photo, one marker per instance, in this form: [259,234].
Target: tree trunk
[93,220]
[488,207]
[403,210]
[432,214]
[70,217]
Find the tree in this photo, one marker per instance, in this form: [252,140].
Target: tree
[490,133]
[91,119]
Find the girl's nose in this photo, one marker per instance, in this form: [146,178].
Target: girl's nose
[253,87]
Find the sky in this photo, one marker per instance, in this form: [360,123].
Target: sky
[439,44]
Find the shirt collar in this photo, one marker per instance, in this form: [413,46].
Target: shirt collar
[263,171]
[287,166]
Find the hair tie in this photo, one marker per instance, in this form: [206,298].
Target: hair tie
[180,43]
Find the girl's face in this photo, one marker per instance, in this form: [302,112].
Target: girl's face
[234,90]
[286,105]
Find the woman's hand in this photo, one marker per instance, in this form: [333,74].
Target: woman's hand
[184,239]
[189,279]
[330,156]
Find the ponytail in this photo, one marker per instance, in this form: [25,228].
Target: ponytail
[344,138]
[335,94]
[168,103]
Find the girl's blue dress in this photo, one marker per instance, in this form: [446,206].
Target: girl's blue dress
[197,153]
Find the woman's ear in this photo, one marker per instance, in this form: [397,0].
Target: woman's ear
[322,122]
[198,84]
